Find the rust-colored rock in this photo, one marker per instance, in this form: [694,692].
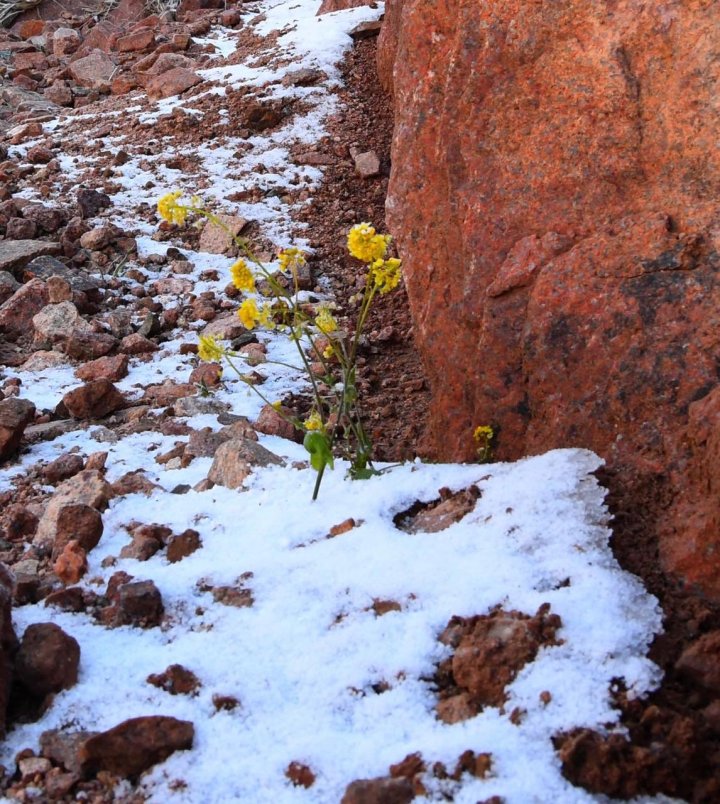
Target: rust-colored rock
[383,790]
[71,564]
[16,314]
[47,660]
[136,745]
[109,368]
[8,641]
[549,196]
[172,82]
[490,650]
[15,415]
[93,400]
[177,680]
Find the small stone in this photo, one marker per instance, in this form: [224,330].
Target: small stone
[93,400]
[207,374]
[59,290]
[98,239]
[367,165]
[63,467]
[80,523]
[16,314]
[183,545]
[234,460]
[219,240]
[15,415]
[177,680]
[135,745]
[71,564]
[384,790]
[300,775]
[56,322]
[270,422]
[65,41]
[140,604]
[137,344]
[90,202]
[109,368]
[32,767]
[47,660]
[700,661]
[172,82]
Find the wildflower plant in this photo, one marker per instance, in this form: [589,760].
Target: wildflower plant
[327,352]
[483,437]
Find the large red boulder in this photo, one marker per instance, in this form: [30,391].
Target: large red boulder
[553,195]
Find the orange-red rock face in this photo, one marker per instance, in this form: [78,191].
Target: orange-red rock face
[554,195]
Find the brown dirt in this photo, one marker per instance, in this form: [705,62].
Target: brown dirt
[391,375]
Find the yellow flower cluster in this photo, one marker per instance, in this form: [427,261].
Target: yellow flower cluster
[325,321]
[386,274]
[209,349]
[291,258]
[313,422]
[365,244]
[251,315]
[242,276]
[483,434]
[169,209]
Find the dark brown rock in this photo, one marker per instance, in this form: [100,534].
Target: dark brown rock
[183,545]
[135,745]
[383,790]
[47,660]
[88,345]
[80,523]
[93,400]
[90,202]
[8,641]
[15,415]
[177,680]
[140,604]
[701,661]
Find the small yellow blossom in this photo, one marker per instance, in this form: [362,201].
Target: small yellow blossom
[328,352]
[365,244]
[313,422]
[249,314]
[325,321]
[386,274]
[483,434]
[291,259]
[277,404]
[242,276]
[169,209]
[209,349]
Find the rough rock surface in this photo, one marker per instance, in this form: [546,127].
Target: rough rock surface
[15,415]
[550,197]
[47,660]
[136,745]
[8,641]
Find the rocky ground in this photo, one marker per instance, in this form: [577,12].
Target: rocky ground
[90,294]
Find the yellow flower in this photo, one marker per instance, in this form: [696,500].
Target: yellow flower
[325,321]
[483,434]
[169,209]
[365,244]
[328,352]
[277,404]
[291,259]
[209,349]
[386,274]
[313,422]
[242,276]
[249,314]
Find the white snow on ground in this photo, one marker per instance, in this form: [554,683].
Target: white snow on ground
[303,659]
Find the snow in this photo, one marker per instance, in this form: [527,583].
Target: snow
[303,659]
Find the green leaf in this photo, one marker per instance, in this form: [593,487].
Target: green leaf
[318,446]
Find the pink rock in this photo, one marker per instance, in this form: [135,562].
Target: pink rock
[94,71]
[137,40]
[172,82]
[137,344]
[87,345]
[271,422]
[15,415]
[17,312]
[65,41]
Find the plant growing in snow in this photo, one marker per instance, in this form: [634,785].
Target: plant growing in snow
[328,353]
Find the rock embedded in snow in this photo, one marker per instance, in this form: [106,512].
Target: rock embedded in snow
[183,544]
[135,745]
[140,604]
[271,422]
[110,368]
[47,660]
[177,680]
[71,564]
[88,487]
[216,239]
[15,415]
[93,400]
[42,360]
[235,459]
[383,790]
